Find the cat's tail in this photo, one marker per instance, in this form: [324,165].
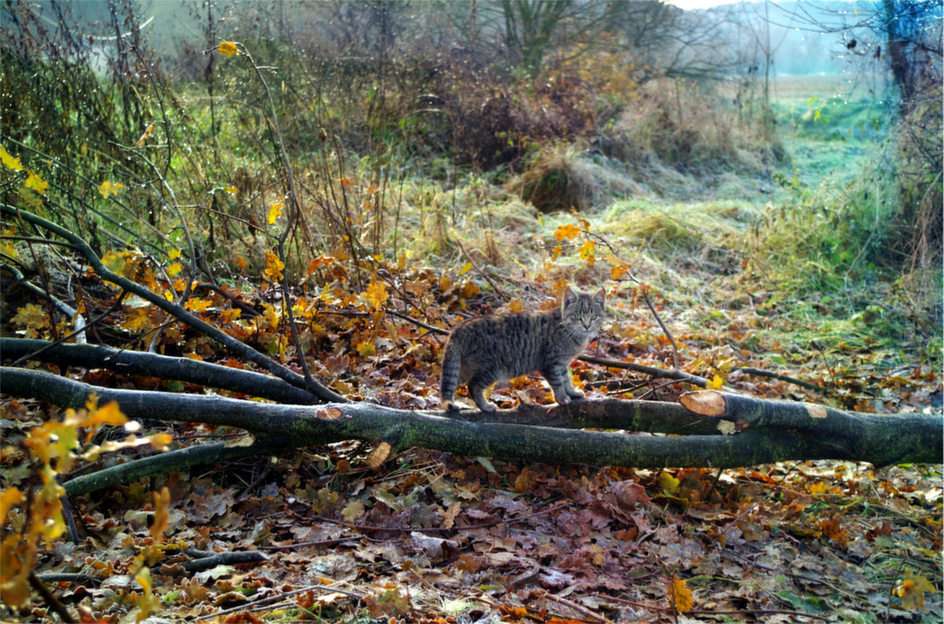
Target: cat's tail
[451,363]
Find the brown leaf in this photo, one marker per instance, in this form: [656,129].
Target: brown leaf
[379,455]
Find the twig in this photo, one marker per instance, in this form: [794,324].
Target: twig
[648,370]
[68,577]
[280,597]
[485,275]
[645,296]
[62,339]
[328,542]
[483,525]
[668,334]
[756,612]
[761,372]
[50,599]
[595,617]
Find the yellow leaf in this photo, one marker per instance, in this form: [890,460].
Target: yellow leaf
[33,318]
[241,263]
[173,254]
[9,498]
[228,49]
[680,596]
[345,182]
[587,252]
[556,252]
[160,441]
[148,603]
[465,268]
[10,161]
[145,135]
[108,414]
[36,183]
[716,383]
[376,295]
[516,306]
[911,591]
[174,269]
[161,514]
[108,188]
[230,314]
[618,272]
[197,304]
[567,232]
[275,211]
[668,483]
[231,189]
[6,246]
[271,315]
[273,267]
[366,348]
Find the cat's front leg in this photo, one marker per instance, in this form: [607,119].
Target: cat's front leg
[557,378]
[572,392]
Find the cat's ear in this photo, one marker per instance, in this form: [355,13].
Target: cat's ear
[569,297]
[600,298]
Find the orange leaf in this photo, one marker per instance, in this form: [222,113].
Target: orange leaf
[680,596]
[567,232]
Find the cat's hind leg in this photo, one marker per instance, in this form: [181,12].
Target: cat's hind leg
[477,387]
[449,382]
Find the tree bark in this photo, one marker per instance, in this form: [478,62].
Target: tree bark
[777,432]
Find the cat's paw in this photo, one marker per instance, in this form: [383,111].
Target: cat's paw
[488,407]
[576,395]
[563,399]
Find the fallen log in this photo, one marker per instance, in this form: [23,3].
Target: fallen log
[919,437]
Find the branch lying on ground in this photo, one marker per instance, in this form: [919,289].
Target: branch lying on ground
[284,373]
[204,560]
[647,370]
[151,364]
[180,459]
[779,431]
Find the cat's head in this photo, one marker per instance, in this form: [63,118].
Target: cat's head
[583,313]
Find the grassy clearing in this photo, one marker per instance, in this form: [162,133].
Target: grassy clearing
[797,272]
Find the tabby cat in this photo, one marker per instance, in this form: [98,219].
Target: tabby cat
[483,351]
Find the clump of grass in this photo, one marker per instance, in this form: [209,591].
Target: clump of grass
[556,181]
[682,228]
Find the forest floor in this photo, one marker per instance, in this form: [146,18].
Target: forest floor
[429,536]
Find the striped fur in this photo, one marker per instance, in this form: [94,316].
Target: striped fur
[491,349]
